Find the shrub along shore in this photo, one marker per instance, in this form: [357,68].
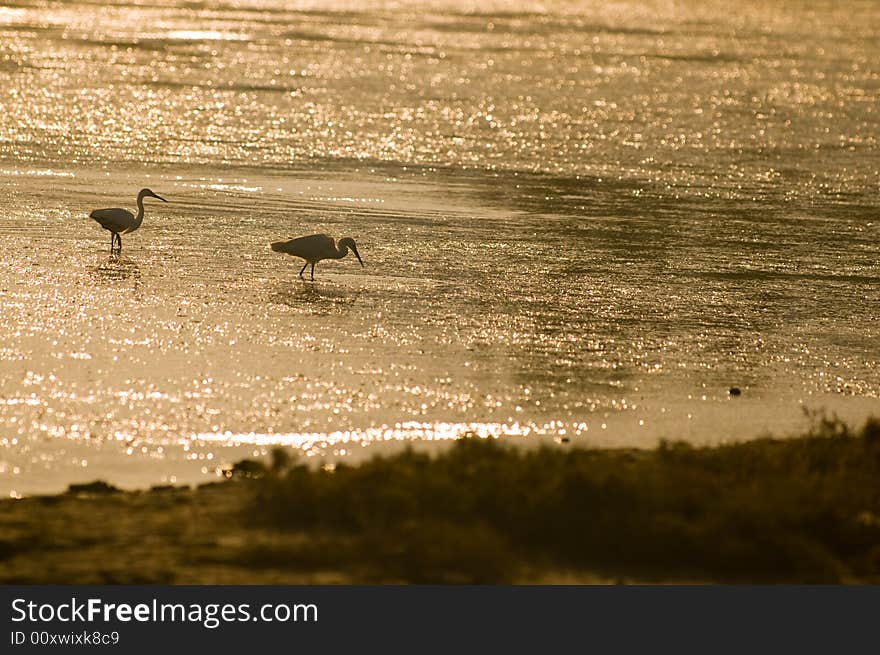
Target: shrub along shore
[799,510]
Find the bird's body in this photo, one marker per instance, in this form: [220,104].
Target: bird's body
[316,247]
[121,221]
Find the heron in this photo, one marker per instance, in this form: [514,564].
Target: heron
[316,247]
[121,221]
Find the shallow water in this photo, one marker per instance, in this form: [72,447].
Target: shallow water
[582,221]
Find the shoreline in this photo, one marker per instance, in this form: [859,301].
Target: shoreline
[799,510]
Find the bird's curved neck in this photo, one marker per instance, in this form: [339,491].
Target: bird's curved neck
[140,215]
[341,251]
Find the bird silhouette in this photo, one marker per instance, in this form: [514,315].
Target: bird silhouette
[316,247]
[121,221]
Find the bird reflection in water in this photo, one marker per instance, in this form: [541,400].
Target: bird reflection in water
[315,298]
[116,269]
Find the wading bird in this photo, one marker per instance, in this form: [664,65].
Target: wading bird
[316,247]
[121,221]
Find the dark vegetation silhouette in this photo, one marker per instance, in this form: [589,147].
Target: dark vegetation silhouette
[794,510]
[800,510]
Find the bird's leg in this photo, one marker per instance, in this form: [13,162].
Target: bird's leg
[112,242]
[313,271]
[119,244]
[303,270]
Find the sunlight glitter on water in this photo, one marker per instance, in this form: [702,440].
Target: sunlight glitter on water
[323,444]
[205,35]
[597,215]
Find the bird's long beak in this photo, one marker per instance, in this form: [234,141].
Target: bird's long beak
[156,195]
[357,254]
